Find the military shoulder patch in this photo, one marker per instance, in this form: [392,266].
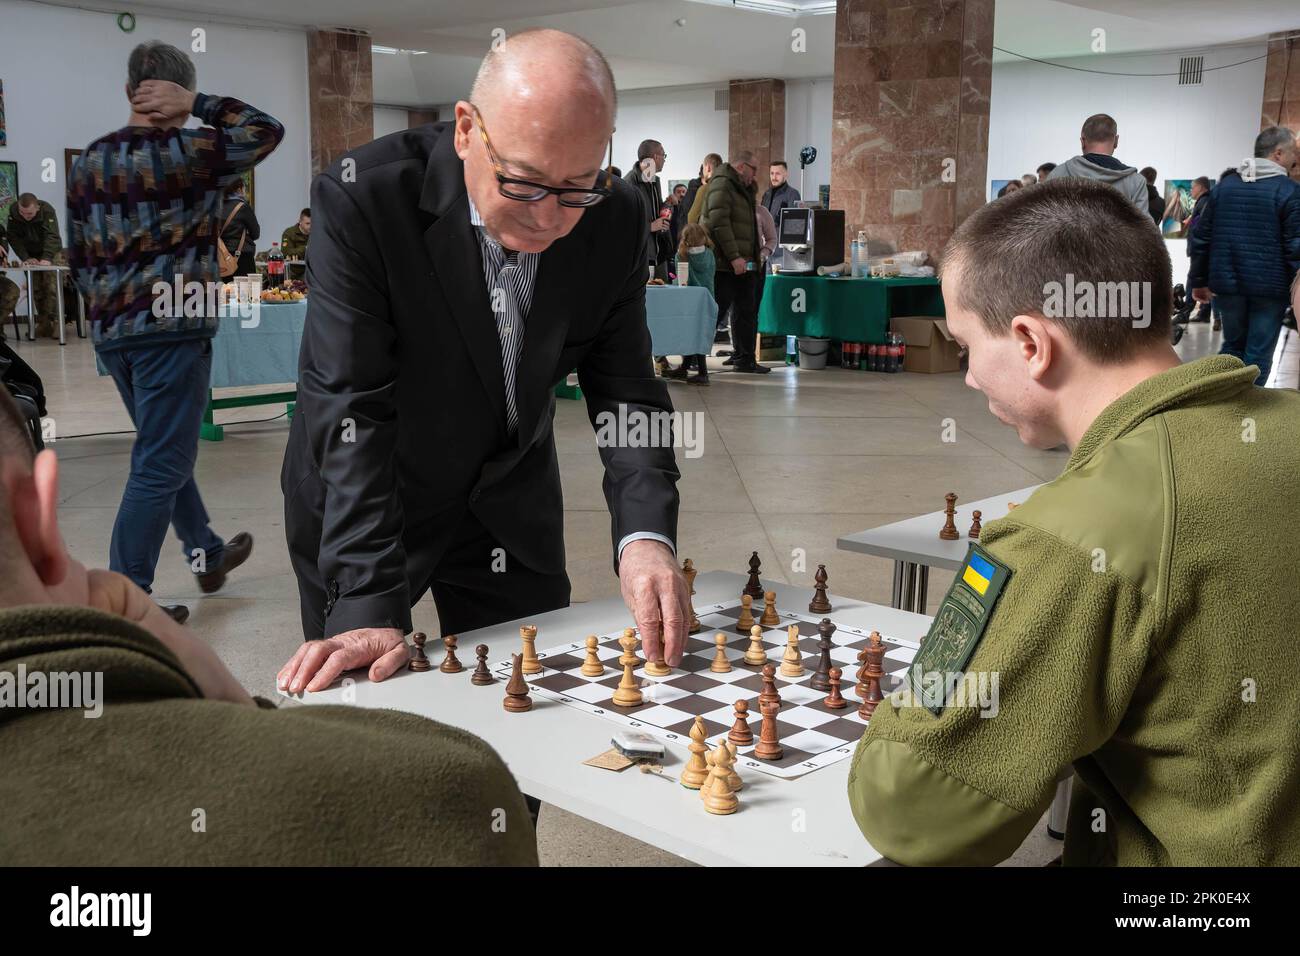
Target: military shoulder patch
[957,628]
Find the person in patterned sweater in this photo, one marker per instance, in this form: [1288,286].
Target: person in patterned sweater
[144,211]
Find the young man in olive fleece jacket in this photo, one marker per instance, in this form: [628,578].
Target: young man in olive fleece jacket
[120,777]
[1139,612]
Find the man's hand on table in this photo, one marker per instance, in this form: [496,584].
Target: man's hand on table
[655,591]
[317,664]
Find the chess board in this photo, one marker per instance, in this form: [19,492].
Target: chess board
[812,735]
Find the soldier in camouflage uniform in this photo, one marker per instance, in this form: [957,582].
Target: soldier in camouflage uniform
[1133,621]
[294,242]
[9,290]
[34,235]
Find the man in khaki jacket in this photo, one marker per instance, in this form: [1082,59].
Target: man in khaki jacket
[1135,619]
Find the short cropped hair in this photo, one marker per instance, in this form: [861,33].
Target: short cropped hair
[1270,139]
[1202,181]
[713,159]
[647,148]
[305,212]
[1076,233]
[156,60]
[1045,168]
[1099,128]
[28,200]
[779,162]
[1149,174]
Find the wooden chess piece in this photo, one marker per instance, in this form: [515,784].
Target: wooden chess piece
[949,530]
[720,664]
[756,653]
[768,747]
[688,570]
[754,588]
[769,692]
[740,732]
[657,667]
[792,660]
[836,700]
[451,663]
[629,633]
[821,680]
[419,661]
[517,700]
[975,525]
[820,604]
[481,676]
[696,770]
[860,688]
[770,618]
[627,694]
[719,798]
[746,619]
[591,665]
[531,664]
[733,778]
[875,653]
[709,757]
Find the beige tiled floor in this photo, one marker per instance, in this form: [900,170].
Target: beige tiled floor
[789,461]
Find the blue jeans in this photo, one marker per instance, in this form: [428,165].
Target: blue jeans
[165,390]
[1251,325]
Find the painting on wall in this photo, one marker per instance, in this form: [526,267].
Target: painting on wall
[1178,208]
[69,157]
[3,135]
[8,188]
[248,188]
[824,195]
[997,185]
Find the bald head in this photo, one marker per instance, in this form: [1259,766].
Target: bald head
[543,67]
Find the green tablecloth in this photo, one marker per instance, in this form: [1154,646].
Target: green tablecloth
[847,310]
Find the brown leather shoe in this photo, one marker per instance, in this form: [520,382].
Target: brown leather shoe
[177,612]
[236,553]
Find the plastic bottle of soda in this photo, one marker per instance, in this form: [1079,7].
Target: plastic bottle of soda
[275,266]
[873,357]
[892,364]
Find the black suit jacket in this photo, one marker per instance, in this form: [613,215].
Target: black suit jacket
[401,354]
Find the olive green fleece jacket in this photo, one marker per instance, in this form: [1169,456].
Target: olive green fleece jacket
[1146,636]
[164,777]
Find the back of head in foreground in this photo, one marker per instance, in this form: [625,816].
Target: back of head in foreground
[1127,619]
[125,740]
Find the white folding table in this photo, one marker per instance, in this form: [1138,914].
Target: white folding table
[801,822]
[58,289]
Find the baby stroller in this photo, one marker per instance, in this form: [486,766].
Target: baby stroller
[28,392]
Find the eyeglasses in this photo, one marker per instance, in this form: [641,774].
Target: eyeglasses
[524,191]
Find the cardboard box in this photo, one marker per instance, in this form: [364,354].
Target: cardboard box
[930,346]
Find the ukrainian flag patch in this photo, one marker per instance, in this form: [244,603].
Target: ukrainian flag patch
[979,573]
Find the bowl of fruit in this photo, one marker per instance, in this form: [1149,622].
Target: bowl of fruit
[294,290]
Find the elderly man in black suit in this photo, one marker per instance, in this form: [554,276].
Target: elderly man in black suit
[458,272]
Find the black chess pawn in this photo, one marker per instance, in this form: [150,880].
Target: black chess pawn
[481,675]
[419,661]
[975,525]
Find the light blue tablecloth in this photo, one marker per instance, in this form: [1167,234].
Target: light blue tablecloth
[264,354]
[682,319]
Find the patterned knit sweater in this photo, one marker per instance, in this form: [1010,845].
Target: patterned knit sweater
[144,205]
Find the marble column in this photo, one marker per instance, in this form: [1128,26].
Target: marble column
[909,138]
[756,121]
[340,91]
[1281,105]
[420,117]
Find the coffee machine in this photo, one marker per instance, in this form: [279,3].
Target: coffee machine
[810,238]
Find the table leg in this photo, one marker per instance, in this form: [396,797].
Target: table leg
[81,315]
[210,430]
[909,582]
[58,292]
[922,586]
[896,589]
[1060,810]
[31,307]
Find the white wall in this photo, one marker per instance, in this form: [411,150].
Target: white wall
[64,71]
[389,119]
[1183,131]
[682,118]
[808,111]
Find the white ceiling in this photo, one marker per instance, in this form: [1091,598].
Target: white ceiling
[647,48]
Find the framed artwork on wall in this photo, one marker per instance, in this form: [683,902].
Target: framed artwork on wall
[1178,207]
[3,135]
[8,188]
[248,188]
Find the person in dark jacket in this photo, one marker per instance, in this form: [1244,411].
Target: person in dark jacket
[730,218]
[644,175]
[242,230]
[1155,204]
[1245,249]
[780,194]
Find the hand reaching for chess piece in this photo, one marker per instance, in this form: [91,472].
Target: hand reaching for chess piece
[655,592]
